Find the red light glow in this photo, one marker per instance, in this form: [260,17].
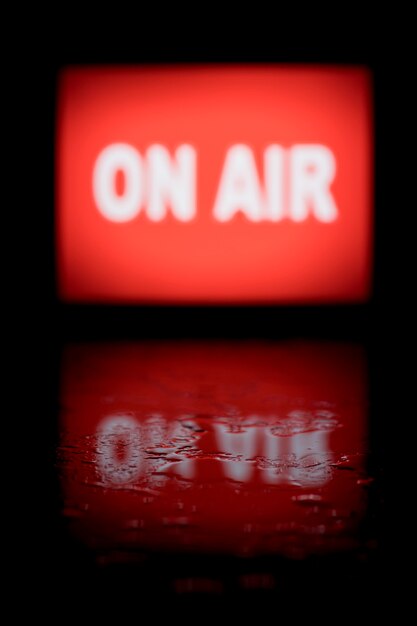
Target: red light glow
[215,185]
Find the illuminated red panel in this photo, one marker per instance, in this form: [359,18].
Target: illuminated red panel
[229,448]
[235,184]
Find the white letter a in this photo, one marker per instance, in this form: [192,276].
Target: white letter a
[239,188]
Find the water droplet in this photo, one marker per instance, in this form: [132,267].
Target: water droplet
[193,427]
[364,482]
[173,457]
[307,499]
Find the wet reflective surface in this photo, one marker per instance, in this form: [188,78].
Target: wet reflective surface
[243,450]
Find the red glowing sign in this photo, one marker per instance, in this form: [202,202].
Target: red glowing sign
[214,448]
[236,184]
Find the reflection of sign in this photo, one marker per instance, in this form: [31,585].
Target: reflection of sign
[214,447]
[205,184]
[128,449]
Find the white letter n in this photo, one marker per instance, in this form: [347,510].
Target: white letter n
[171,182]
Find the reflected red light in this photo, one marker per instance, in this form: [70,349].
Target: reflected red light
[231,448]
[235,184]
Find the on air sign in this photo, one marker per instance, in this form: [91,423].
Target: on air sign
[235,184]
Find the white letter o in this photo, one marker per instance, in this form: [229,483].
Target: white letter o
[114,207]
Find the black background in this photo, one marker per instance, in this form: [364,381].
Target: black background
[342,37]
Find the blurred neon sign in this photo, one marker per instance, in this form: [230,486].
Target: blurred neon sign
[234,184]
